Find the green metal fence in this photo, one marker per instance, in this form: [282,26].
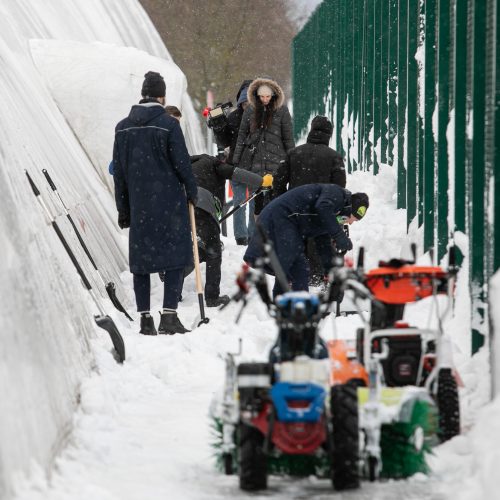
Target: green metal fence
[413,84]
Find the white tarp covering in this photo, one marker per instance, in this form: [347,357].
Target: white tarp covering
[46,316]
[95,84]
[494,310]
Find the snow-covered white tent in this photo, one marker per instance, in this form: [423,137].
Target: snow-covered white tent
[46,315]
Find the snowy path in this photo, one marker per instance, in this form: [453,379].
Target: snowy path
[142,429]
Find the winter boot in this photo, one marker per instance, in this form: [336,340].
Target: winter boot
[222,300]
[147,324]
[242,241]
[170,324]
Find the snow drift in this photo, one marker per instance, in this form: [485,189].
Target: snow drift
[46,318]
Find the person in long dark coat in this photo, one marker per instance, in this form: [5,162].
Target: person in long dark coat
[312,163]
[266,132]
[153,184]
[312,211]
[211,175]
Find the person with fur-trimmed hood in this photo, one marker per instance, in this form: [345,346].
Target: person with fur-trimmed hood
[266,132]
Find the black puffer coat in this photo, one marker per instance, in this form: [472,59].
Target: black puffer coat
[313,162]
[262,146]
[211,175]
[152,175]
[228,136]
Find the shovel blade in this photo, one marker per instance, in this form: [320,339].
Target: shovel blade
[106,323]
[111,290]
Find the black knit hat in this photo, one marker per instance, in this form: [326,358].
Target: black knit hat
[322,123]
[360,204]
[154,85]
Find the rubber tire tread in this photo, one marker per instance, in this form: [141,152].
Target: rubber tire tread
[345,437]
[252,459]
[448,405]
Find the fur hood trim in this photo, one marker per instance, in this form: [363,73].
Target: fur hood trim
[279,99]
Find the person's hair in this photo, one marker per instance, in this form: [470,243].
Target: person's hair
[262,117]
[173,111]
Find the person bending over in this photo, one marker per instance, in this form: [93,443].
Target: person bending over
[312,211]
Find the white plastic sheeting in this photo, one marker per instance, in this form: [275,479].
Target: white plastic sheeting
[99,84]
[45,313]
[494,311]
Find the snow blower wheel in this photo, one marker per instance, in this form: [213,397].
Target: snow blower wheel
[448,405]
[252,459]
[345,436]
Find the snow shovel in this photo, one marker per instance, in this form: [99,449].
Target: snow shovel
[110,287]
[199,287]
[242,204]
[102,320]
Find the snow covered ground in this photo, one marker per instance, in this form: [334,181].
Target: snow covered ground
[141,430]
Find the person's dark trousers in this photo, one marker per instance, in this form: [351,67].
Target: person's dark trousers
[298,275]
[316,268]
[172,288]
[210,252]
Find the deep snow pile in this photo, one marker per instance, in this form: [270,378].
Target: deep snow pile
[109,80]
[46,319]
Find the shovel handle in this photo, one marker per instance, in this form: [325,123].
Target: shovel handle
[199,287]
[49,179]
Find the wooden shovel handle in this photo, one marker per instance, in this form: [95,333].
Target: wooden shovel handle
[199,286]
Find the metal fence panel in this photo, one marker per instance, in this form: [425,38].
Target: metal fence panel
[414,84]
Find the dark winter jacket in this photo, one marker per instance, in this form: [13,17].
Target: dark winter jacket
[266,133]
[229,134]
[152,175]
[313,162]
[308,211]
[211,175]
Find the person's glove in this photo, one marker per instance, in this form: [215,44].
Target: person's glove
[123,220]
[267,181]
[343,243]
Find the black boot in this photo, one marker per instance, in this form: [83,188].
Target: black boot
[147,325]
[222,300]
[170,324]
[242,241]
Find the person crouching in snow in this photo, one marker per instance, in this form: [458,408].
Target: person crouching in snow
[153,184]
[211,175]
[311,211]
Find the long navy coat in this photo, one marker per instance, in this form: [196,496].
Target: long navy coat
[308,211]
[152,175]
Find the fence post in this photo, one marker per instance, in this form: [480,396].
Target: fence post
[428,112]
[402,99]
[443,71]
